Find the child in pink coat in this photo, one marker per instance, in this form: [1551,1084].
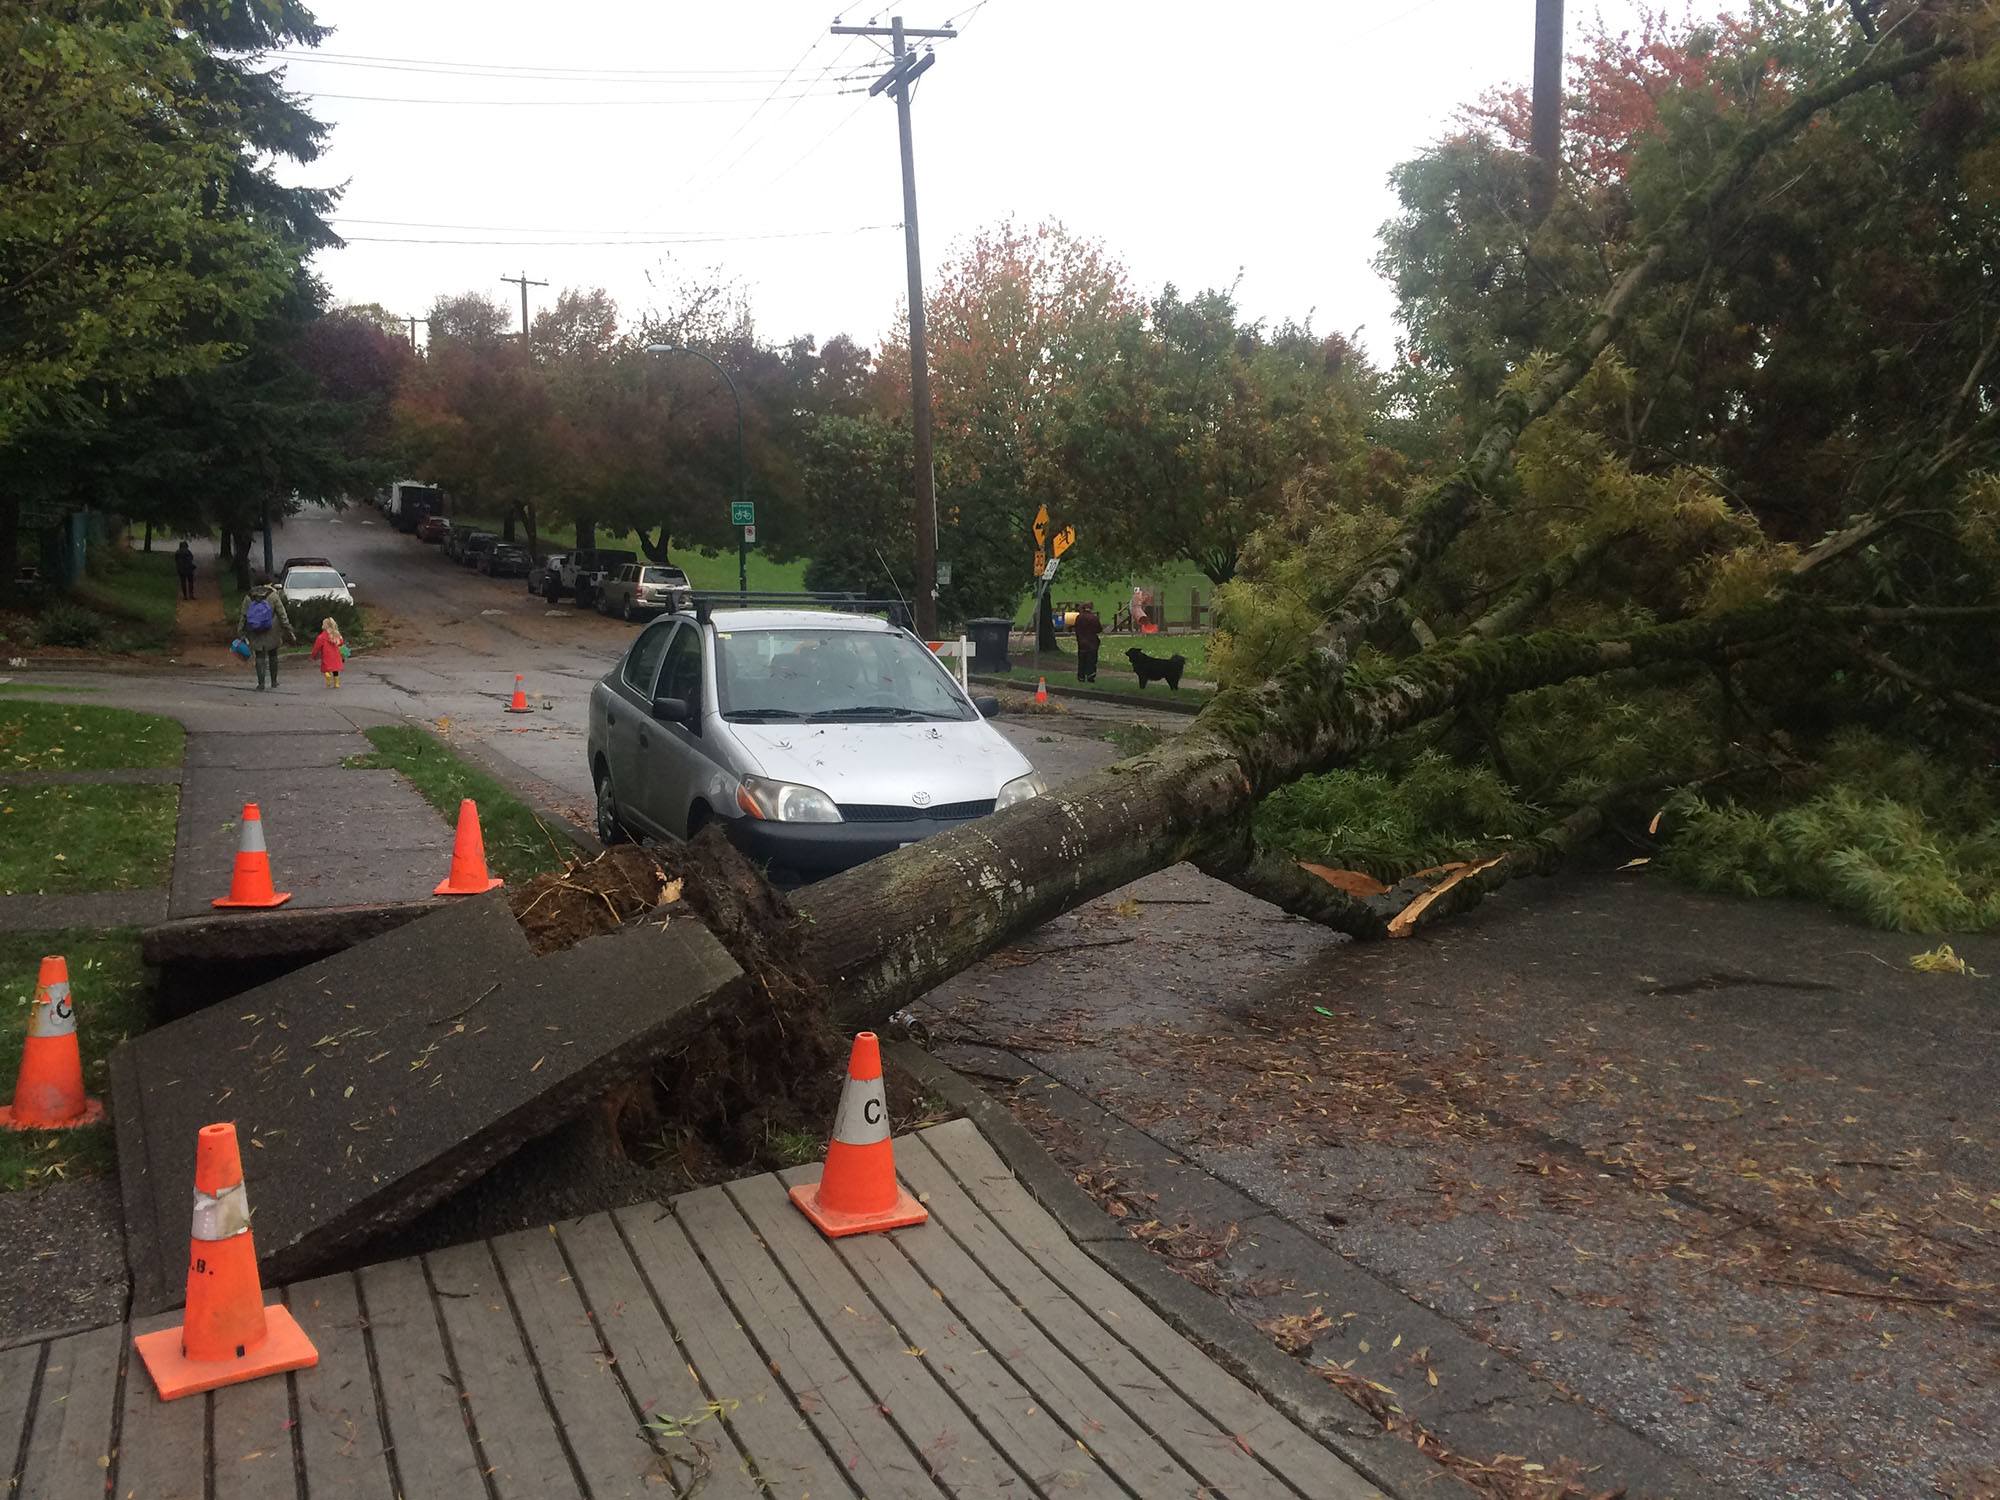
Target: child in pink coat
[329,650]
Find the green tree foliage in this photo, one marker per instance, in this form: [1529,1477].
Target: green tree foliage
[152,263]
[1803,407]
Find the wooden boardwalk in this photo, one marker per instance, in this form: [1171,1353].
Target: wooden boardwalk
[714,1346]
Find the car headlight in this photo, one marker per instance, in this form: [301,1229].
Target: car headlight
[1020,789]
[785,802]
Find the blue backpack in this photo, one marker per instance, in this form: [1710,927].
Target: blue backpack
[259,616]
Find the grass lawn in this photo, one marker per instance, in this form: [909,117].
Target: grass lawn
[1061,672]
[138,590]
[108,984]
[1111,654]
[61,840]
[82,737]
[42,689]
[519,845]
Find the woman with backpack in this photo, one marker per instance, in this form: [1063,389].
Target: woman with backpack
[262,618]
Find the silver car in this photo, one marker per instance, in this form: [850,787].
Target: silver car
[818,740]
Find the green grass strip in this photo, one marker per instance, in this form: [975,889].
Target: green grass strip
[108,983]
[83,737]
[519,843]
[67,839]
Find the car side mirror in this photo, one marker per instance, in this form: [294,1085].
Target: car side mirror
[989,708]
[671,710]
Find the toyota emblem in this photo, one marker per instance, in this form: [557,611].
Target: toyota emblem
[922,799]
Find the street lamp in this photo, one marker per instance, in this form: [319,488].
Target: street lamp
[742,545]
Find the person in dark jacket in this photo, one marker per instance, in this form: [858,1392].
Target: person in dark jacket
[260,621]
[1089,630]
[184,565]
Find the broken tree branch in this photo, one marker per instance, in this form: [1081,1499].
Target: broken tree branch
[1512,612]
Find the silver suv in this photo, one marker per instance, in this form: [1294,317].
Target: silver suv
[644,589]
[817,740]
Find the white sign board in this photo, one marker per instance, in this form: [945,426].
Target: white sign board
[749,536]
[1049,573]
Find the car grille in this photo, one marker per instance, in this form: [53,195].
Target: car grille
[947,812]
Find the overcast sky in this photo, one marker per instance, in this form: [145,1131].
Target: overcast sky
[1199,142]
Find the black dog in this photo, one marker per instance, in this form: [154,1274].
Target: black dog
[1166,669]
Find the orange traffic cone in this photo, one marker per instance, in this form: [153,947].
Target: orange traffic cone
[857,1189]
[1041,690]
[250,882]
[48,1092]
[227,1334]
[468,857]
[520,703]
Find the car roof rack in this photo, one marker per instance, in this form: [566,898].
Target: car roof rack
[707,601]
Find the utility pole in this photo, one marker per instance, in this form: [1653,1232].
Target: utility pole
[523,282]
[413,320]
[1546,130]
[906,68]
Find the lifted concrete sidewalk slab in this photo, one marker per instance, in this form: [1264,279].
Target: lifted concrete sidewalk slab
[371,1085]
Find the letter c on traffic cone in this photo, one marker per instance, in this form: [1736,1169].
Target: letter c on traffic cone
[250,881]
[468,857]
[520,703]
[227,1334]
[857,1189]
[48,1091]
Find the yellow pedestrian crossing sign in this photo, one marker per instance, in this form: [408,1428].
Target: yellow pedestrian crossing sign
[1041,529]
[1065,539]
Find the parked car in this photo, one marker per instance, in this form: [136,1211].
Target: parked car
[644,589]
[544,575]
[303,562]
[585,568]
[454,540]
[478,542]
[305,583]
[503,560]
[704,721]
[433,529]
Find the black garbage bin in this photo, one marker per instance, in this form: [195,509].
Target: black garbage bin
[989,644]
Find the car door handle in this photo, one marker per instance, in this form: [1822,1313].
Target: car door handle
[609,717]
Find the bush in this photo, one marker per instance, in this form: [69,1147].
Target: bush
[1388,826]
[64,624]
[307,614]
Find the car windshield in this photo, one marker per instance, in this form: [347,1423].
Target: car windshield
[313,578]
[662,575]
[832,674]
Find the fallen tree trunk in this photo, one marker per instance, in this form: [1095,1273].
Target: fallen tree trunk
[881,935]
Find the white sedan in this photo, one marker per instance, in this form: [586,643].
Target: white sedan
[302,584]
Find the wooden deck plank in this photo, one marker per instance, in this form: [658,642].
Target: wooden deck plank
[162,1445]
[70,1448]
[340,1424]
[429,1444]
[936,1425]
[1197,1442]
[654,1367]
[850,1421]
[595,1412]
[250,1441]
[1015,1418]
[17,1395]
[784,1451]
[1064,1388]
[1280,1443]
[517,1433]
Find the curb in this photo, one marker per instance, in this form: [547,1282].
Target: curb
[1391,1464]
[529,787]
[1164,701]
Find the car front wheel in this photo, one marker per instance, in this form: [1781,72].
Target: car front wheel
[609,829]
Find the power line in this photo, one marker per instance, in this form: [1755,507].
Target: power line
[363,59]
[572,103]
[525,72]
[703,239]
[756,141]
[748,119]
[813,150]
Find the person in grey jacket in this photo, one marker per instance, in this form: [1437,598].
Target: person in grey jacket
[261,620]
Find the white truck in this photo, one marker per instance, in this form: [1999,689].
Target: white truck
[408,501]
